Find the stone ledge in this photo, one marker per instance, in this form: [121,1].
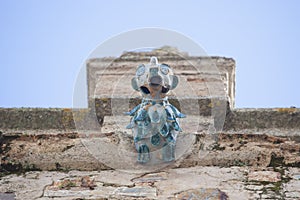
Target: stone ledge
[36,118]
[263,118]
[14,119]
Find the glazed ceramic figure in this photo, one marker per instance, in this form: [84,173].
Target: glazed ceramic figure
[154,122]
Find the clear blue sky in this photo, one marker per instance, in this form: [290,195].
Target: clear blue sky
[44,43]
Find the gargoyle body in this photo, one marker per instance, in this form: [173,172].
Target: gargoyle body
[154,122]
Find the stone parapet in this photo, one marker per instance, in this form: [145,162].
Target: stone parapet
[63,118]
[262,118]
[36,118]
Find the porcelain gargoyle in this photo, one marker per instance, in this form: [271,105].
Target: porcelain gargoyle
[154,121]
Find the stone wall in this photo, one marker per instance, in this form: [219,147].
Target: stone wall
[254,156]
[52,138]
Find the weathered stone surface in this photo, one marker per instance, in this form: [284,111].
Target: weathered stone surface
[115,178]
[79,193]
[202,193]
[259,119]
[144,191]
[183,179]
[36,118]
[266,176]
[150,178]
[18,120]
[292,195]
[254,187]
[292,187]
[46,152]
[106,150]
[29,186]
[182,183]
[7,196]
[242,150]
[206,76]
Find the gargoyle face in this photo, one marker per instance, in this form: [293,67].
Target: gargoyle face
[154,80]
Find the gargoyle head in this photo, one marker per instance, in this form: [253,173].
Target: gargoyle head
[154,80]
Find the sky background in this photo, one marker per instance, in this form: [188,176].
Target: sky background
[43,44]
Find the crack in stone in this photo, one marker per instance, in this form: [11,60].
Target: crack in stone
[44,189]
[148,173]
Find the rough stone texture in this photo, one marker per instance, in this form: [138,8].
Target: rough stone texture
[182,183]
[202,193]
[111,146]
[29,186]
[36,118]
[243,150]
[39,119]
[20,120]
[258,119]
[56,151]
[264,176]
[105,149]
